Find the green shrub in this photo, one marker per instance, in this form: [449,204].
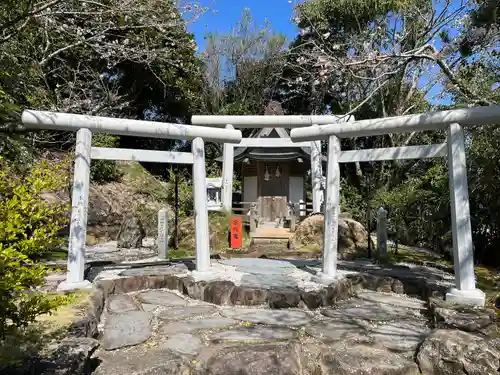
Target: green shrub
[102,171]
[28,228]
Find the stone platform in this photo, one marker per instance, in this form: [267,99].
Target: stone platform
[265,316]
[251,281]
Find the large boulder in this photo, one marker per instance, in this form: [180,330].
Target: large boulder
[352,234]
[131,233]
[465,318]
[453,352]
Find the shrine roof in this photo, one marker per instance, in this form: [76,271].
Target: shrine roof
[270,153]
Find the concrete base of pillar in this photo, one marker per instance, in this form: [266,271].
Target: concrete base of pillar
[203,276]
[466,297]
[66,286]
[323,278]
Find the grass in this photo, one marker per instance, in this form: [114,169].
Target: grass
[144,182]
[180,253]
[36,338]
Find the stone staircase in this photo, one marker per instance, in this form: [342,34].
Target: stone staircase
[271,232]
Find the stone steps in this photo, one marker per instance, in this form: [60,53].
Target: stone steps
[271,233]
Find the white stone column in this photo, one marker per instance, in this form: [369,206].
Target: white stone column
[227,174]
[332,208]
[382,233]
[162,240]
[316,174]
[79,206]
[200,213]
[465,291]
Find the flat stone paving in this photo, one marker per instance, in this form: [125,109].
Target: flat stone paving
[391,299]
[155,270]
[184,343]
[361,309]
[162,298]
[122,303]
[385,329]
[126,329]
[187,312]
[288,318]
[254,334]
[164,332]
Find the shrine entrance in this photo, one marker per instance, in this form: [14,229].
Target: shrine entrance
[273,190]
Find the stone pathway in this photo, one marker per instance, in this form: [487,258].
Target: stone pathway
[382,329]
[289,325]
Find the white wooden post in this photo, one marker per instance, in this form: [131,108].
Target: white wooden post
[463,251]
[316,174]
[227,175]
[201,231]
[382,233]
[162,240]
[79,204]
[332,208]
[302,208]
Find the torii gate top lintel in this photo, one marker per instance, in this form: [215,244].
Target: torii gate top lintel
[263,121]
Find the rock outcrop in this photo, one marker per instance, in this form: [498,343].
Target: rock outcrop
[452,352]
[352,234]
[131,233]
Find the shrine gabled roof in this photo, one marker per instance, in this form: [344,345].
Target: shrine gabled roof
[277,153]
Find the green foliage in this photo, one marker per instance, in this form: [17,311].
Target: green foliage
[352,201]
[28,229]
[185,186]
[102,171]
[418,208]
[348,16]
[127,60]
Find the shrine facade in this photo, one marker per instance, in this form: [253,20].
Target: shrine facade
[273,178]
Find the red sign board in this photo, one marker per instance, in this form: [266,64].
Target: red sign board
[236,233]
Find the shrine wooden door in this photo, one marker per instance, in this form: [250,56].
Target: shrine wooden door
[274,183]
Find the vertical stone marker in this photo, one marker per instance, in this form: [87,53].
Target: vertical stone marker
[162,240]
[463,251]
[382,233]
[79,204]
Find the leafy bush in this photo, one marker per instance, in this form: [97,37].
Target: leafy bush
[28,229]
[352,201]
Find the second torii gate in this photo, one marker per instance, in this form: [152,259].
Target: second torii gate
[84,126]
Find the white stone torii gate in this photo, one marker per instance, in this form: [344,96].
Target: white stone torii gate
[316,128]
[465,283]
[84,126]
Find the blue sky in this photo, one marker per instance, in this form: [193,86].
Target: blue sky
[224,14]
